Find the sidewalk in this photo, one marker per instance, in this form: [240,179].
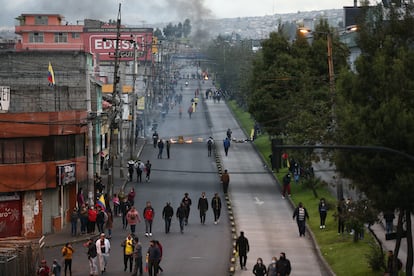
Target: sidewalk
[327,173]
[257,205]
[64,236]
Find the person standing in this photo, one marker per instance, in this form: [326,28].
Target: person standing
[209,145]
[182,215]
[202,207]
[283,265]
[125,207]
[131,196]
[160,148]
[137,255]
[225,181]
[272,269]
[167,214]
[116,203]
[131,166]
[133,218]
[67,253]
[341,208]
[128,248]
[103,247]
[226,144]
[389,221]
[84,219]
[301,214]
[168,146]
[74,221]
[259,269]
[323,211]
[56,268]
[148,217]
[80,199]
[92,214]
[242,247]
[43,269]
[394,265]
[216,206]
[100,220]
[155,139]
[92,257]
[187,204]
[109,222]
[286,185]
[154,255]
[148,166]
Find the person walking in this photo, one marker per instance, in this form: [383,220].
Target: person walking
[216,206]
[125,207]
[202,207]
[159,245]
[148,166]
[286,185]
[154,255]
[272,268]
[92,257]
[139,167]
[160,148]
[131,166]
[137,255]
[168,146]
[133,218]
[67,253]
[209,145]
[100,220]
[74,221]
[131,196]
[167,214]
[225,181]
[226,144]
[187,204]
[323,211]
[128,248]
[116,203]
[301,214]
[283,265]
[103,247]
[242,247]
[148,217]
[259,269]
[182,215]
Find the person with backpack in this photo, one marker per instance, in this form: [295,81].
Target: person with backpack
[148,217]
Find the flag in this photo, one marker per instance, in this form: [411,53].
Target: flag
[51,75]
[101,202]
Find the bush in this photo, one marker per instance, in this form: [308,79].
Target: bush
[375,257]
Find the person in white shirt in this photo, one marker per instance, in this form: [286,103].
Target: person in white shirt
[103,247]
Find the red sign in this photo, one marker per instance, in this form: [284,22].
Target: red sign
[102,43]
[10,218]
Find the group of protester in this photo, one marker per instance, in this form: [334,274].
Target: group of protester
[140,168]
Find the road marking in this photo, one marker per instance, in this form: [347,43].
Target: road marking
[258,201]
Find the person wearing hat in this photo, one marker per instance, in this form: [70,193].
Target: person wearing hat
[103,247]
[43,269]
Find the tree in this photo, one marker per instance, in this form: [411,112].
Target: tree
[375,107]
[186,28]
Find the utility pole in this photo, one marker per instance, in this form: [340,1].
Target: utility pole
[116,109]
[134,105]
[91,183]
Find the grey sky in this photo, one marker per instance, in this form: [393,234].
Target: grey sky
[136,12]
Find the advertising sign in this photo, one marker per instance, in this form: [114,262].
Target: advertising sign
[10,218]
[4,99]
[102,43]
[66,174]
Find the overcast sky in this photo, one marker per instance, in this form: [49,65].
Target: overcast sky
[137,12]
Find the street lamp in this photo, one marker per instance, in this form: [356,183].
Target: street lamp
[330,68]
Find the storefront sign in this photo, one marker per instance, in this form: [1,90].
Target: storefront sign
[66,174]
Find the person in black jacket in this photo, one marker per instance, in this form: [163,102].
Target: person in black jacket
[259,268]
[242,247]
[323,211]
[92,257]
[182,215]
[167,214]
[216,206]
[301,214]
[283,265]
[202,207]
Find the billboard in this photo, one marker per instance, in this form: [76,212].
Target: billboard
[101,42]
[4,99]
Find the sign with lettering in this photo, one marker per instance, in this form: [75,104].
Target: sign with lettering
[10,218]
[4,99]
[66,174]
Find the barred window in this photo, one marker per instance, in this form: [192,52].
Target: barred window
[36,37]
[61,37]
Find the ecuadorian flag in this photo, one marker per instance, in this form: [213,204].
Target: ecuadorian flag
[51,75]
[101,202]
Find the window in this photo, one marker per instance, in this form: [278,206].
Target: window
[75,35]
[41,20]
[61,37]
[12,151]
[33,150]
[35,37]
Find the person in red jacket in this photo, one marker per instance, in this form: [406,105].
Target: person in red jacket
[92,214]
[43,269]
[148,214]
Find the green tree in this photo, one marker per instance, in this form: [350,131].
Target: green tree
[375,107]
[186,28]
